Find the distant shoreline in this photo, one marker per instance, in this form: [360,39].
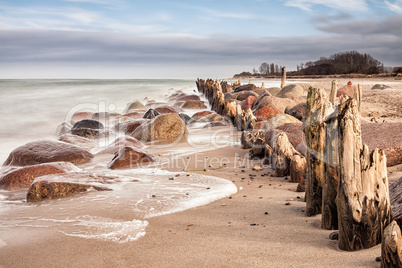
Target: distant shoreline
[396,76]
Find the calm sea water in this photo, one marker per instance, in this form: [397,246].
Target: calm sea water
[32,110]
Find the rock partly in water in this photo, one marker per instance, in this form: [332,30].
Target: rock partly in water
[201,114]
[22,178]
[63,128]
[82,142]
[192,104]
[132,106]
[129,157]
[45,151]
[128,127]
[167,109]
[121,142]
[167,127]
[150,114]
[66,184]
[186,118]
[88,128]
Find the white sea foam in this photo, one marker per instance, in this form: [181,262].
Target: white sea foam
[90,227]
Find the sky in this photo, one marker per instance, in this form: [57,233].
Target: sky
[188,39]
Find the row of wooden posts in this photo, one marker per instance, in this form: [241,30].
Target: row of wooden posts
[345,182]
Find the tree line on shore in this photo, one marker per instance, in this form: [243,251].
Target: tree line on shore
[351,62]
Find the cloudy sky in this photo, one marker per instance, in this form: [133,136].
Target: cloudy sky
[188,39]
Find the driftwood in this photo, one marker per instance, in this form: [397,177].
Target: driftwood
[391,247]
[363,204]
[314,127]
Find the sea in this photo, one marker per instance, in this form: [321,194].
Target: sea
[33,109]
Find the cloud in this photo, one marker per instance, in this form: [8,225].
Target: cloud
[106,49]
[395,7]
[389,26]
[351,5]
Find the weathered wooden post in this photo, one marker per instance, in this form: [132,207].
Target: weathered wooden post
[314,127]
[283,81]
[364,209]
[329,220]
[263,85]
[391,247]
[357,95]
[334,90]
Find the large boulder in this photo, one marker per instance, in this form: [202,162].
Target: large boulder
[167,127]
[128,127]
[214,117]
[244,87]
[63,128]
[266,113]
[348,90]
[381,87]
[291,91]
[299,111]
[166,109]
[186,118]
[78,116]
[45,151]
[243,95]
[279,120]
[129,157]
[136,105]
[274,90]
[293,131]
[21,178]
[82,142]
[88,123]
[66,184]
[151,114]
[278,103]
[88,128]
[247,103]
[121,142]
[201,114]
[193,104]
[385,136]
[188,97]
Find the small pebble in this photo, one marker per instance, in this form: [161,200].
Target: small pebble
[208,188]
[205,169]
[334,236]
[260,186]
[243,170]
[171,178]
[378,259]
[253,224]
[266,213]
[287,203]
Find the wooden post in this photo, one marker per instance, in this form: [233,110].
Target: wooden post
[363,205]
[329,220]
[334,90]
[263,85]
[358,95]
[283,81]
[314,127]
[391,247]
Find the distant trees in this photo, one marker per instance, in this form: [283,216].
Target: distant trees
[339,63]
[342,63]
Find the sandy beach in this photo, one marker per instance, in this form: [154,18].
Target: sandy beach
[262,225]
